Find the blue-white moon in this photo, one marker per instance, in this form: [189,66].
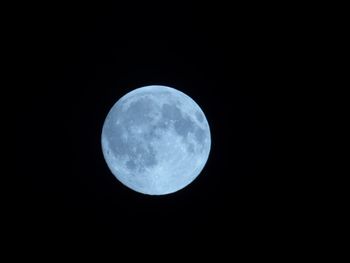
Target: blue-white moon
[156,140]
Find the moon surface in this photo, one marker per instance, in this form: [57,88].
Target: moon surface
[156,140]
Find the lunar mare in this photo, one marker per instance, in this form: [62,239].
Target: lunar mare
[156,140]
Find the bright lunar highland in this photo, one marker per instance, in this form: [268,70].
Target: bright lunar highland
[156,140]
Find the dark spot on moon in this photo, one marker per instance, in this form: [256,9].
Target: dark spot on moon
[131,165]
[116,141]
[153,133]
[199,116]
[200,135]
[143,156]
[182,125]
[150,157]
[139,111]
[171,112]
[190,147]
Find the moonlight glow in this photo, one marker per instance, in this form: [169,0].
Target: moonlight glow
[156,140]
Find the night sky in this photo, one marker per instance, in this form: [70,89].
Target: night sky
[82,59]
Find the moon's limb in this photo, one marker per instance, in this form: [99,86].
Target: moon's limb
[156,140]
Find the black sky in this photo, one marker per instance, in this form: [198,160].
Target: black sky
[81,59]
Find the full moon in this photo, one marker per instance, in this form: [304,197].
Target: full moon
[156,140]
